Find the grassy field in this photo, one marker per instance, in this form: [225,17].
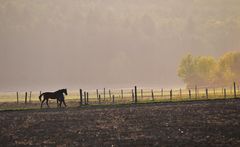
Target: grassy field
[8,100]
[126,95]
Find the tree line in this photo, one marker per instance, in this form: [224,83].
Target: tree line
[210,71]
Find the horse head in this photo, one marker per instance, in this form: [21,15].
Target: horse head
[65,91]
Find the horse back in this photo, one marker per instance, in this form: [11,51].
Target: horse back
[51,95]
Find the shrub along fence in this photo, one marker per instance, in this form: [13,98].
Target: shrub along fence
[130,95]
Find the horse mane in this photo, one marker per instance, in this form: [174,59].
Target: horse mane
[61,90]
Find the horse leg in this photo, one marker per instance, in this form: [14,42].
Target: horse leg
[57,103]
[64,103]
[60,103]
[47,103]
[42,102]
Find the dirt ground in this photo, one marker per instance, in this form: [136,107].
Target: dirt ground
[199,123]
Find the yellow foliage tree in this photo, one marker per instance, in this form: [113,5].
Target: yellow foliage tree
[186,70]
[207,71]
[228,68]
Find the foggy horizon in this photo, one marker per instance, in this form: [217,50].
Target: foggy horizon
[112,44]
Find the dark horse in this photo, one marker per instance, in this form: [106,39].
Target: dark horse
[59,95]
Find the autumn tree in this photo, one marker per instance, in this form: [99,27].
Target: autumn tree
[196,70]
[228,69]
[208,71]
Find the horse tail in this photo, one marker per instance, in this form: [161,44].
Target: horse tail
[40,96]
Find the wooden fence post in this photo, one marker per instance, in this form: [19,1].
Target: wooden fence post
[225,93]
[171,95]
[97,93]
[17,98]
[122,94]
[85,98]
[207,93]
[109,94]
[99,99]
[180,93]
[162,92]
[113,98]
[189,93]
[152,95]
[25,97]
[135,89]
[196,93]
[104,94]
[235,91]
[30,96]
[132,96]
[141,93]
[81,99]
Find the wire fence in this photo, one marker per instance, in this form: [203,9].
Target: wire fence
[124,96]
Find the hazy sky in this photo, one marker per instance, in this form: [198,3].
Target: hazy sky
[48,44]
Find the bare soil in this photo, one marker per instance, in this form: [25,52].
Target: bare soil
[197,123]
